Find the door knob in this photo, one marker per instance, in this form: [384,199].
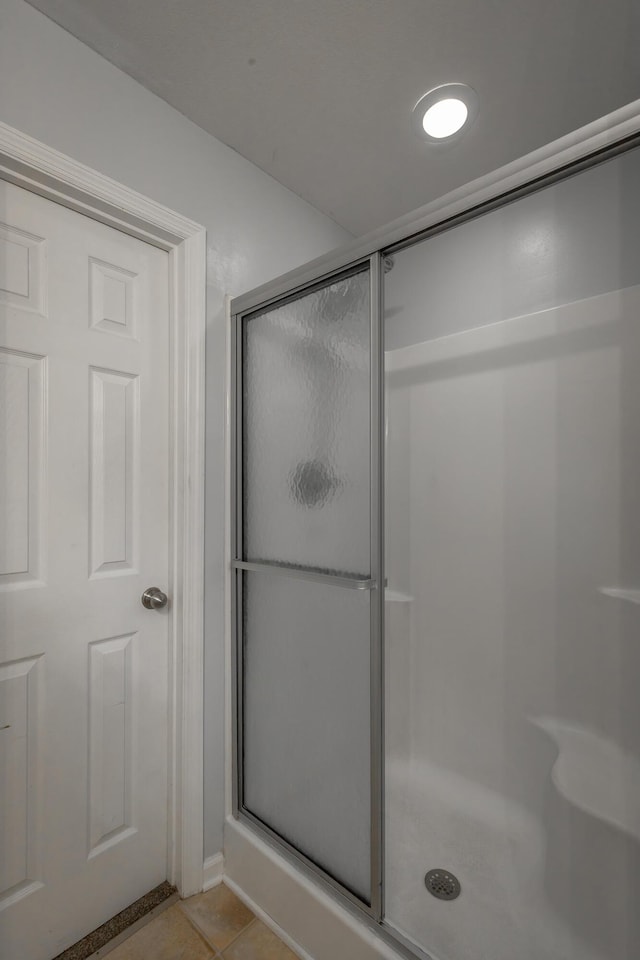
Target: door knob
[153,598]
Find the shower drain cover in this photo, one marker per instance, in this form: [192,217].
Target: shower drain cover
[442,884]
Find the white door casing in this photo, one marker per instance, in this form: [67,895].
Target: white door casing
[111,555]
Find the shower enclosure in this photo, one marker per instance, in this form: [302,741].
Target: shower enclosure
[436,556]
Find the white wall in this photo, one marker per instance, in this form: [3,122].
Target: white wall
[61,92]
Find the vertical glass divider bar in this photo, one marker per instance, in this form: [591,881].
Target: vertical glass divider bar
[377,594]
[236,545]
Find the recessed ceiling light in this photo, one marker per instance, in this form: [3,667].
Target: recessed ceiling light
[445,118]
[442,113]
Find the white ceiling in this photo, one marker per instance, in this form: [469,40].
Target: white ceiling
[319,93]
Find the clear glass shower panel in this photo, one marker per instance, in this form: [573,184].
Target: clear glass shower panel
[512,540]
[306,720]
[306,452]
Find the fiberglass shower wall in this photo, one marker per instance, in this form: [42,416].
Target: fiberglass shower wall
[513,563]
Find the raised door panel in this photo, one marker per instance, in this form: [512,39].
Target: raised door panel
[22,269]
[113,521]
[20,716]
[113,299]
[110,748]
[23,456]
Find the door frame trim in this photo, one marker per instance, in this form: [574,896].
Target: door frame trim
[30,164]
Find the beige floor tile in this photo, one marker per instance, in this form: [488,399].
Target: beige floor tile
[258,943]
[169,936]
[218,914]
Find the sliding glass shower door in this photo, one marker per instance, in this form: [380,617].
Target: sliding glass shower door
[307,568]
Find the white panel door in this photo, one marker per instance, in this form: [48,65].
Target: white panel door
[83,531]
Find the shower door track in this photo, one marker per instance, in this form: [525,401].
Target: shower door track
[592,145]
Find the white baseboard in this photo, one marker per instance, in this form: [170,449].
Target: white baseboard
[311,922]
[213,869]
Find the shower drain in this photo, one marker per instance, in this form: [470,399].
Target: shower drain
[442,884]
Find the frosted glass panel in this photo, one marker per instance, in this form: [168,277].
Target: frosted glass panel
[306,377]
[306,720]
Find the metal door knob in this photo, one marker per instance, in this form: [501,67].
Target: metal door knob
[153,598]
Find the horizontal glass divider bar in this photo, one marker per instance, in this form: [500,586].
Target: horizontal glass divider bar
[351,583]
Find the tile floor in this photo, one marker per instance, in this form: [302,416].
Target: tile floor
[215,924]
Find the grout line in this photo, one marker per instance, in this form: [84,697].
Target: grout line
[244,930]
[217,951]
[194,926]
[297,950]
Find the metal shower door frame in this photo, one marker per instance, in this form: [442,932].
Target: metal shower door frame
[374,584]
